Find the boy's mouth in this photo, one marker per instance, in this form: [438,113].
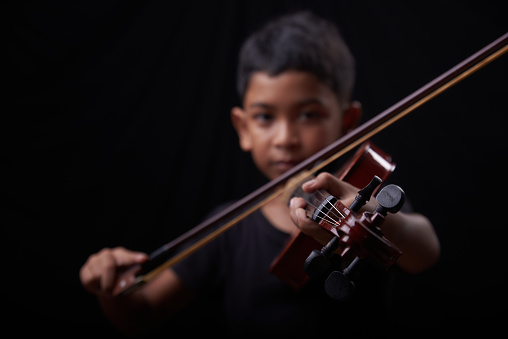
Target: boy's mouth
[284,166]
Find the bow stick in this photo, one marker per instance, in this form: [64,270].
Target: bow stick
[252,202]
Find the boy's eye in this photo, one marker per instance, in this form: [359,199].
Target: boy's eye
[263,117]
[308,115]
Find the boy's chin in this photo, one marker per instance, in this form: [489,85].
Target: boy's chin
[274,174]
[283,167]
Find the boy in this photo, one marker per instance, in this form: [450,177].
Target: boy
[295,78]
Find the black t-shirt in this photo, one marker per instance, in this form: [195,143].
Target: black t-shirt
[236,269]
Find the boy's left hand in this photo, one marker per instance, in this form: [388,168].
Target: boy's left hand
[412,233]
[345,192]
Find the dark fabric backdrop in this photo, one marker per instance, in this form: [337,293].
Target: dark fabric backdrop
[115,131]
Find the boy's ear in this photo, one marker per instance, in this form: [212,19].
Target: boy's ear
[239,120]
[351,116]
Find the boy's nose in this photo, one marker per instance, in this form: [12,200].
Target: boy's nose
[286,135]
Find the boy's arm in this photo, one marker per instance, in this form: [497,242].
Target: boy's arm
[412,233]
[145,308]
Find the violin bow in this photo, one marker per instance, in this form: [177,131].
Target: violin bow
[230,216]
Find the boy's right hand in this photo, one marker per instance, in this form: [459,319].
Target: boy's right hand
[99,273]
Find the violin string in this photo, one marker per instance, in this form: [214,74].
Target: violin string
[341,216]
[335,219]
[315,208]
[326,218]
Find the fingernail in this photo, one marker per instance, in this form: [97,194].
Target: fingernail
[141,257]
[311,182]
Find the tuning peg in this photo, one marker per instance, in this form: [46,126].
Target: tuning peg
[390,199]
[365,193]
[339,285]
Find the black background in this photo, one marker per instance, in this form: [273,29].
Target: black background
[115,131]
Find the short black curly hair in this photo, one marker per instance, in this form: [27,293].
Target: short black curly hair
[300,41]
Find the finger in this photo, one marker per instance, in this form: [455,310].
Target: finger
[302,220]
[112,261]
[312,228]
[98,271]
[324,181]
[104,267]
[295,204]
[89,282]
[328,182]
[124,257]
[305,224]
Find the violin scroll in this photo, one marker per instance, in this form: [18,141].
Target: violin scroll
[358,237]
[368,162]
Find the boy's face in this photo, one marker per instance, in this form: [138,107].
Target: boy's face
[287,118]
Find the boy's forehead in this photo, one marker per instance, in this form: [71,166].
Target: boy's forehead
[289,87]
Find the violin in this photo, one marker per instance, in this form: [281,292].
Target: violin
[356,237]
[174,251]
